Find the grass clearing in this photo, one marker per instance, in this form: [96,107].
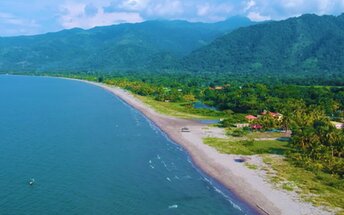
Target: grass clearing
[180,110]
[247,147]
[251,166]
[320,189]
[257,135]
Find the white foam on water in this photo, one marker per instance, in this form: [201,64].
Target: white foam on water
[151,166]
[163,162]
[187,177]
[168,179]
[172,206]
[223,194]
[158,130]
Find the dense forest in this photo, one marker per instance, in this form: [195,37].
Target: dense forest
[307,48]
[151,45]
[309,44]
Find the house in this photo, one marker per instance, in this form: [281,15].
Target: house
[256,126]
[251,117]
[275,115]
[216,88]
[338,125]
[242,125]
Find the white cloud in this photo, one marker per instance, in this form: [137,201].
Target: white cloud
[107,12]
[281,9]
[167,9]
[249,5]
[38,16]
[134,5]
[14,25]
[76,15]
[213,12]
[255,16]
[7,18]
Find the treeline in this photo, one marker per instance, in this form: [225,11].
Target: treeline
[316,143]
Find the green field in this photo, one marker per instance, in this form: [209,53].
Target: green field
[247,147]
[315,187]
[180,109]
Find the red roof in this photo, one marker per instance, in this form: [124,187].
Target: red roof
[256,126]
[250,117]
[273,114]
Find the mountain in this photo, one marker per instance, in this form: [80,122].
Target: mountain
[129,47]
[308,44]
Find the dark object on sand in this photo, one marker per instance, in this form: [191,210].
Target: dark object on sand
[185,129]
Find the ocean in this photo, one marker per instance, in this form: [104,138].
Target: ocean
[90,153]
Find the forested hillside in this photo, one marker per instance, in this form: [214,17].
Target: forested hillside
[308,44]
[126,47]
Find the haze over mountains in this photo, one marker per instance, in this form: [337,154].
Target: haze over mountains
[307,44]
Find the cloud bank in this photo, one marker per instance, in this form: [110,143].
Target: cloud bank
[37,16]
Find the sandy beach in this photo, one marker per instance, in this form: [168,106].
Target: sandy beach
[253,188]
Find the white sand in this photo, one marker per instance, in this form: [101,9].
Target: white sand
[244,182]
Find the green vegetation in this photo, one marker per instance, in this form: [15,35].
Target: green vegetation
[262,135]
[305,50]
[180,110]
[251,166]
[117,49]
[248,147]
[307,45]
[316,187]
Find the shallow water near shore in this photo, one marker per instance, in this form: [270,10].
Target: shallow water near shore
[90,153]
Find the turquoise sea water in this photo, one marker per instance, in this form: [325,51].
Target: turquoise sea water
[90,153]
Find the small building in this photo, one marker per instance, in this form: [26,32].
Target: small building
[251,117]
[242,125]
[338,125]
[216,88]
[275,115]
[256,127]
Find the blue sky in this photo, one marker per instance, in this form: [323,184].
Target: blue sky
[27,17]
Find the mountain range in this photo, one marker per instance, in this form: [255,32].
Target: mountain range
[128,47]
[308,44]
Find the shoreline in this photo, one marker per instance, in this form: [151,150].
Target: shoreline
[245,184]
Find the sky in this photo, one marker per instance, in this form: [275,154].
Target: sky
[29,17]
